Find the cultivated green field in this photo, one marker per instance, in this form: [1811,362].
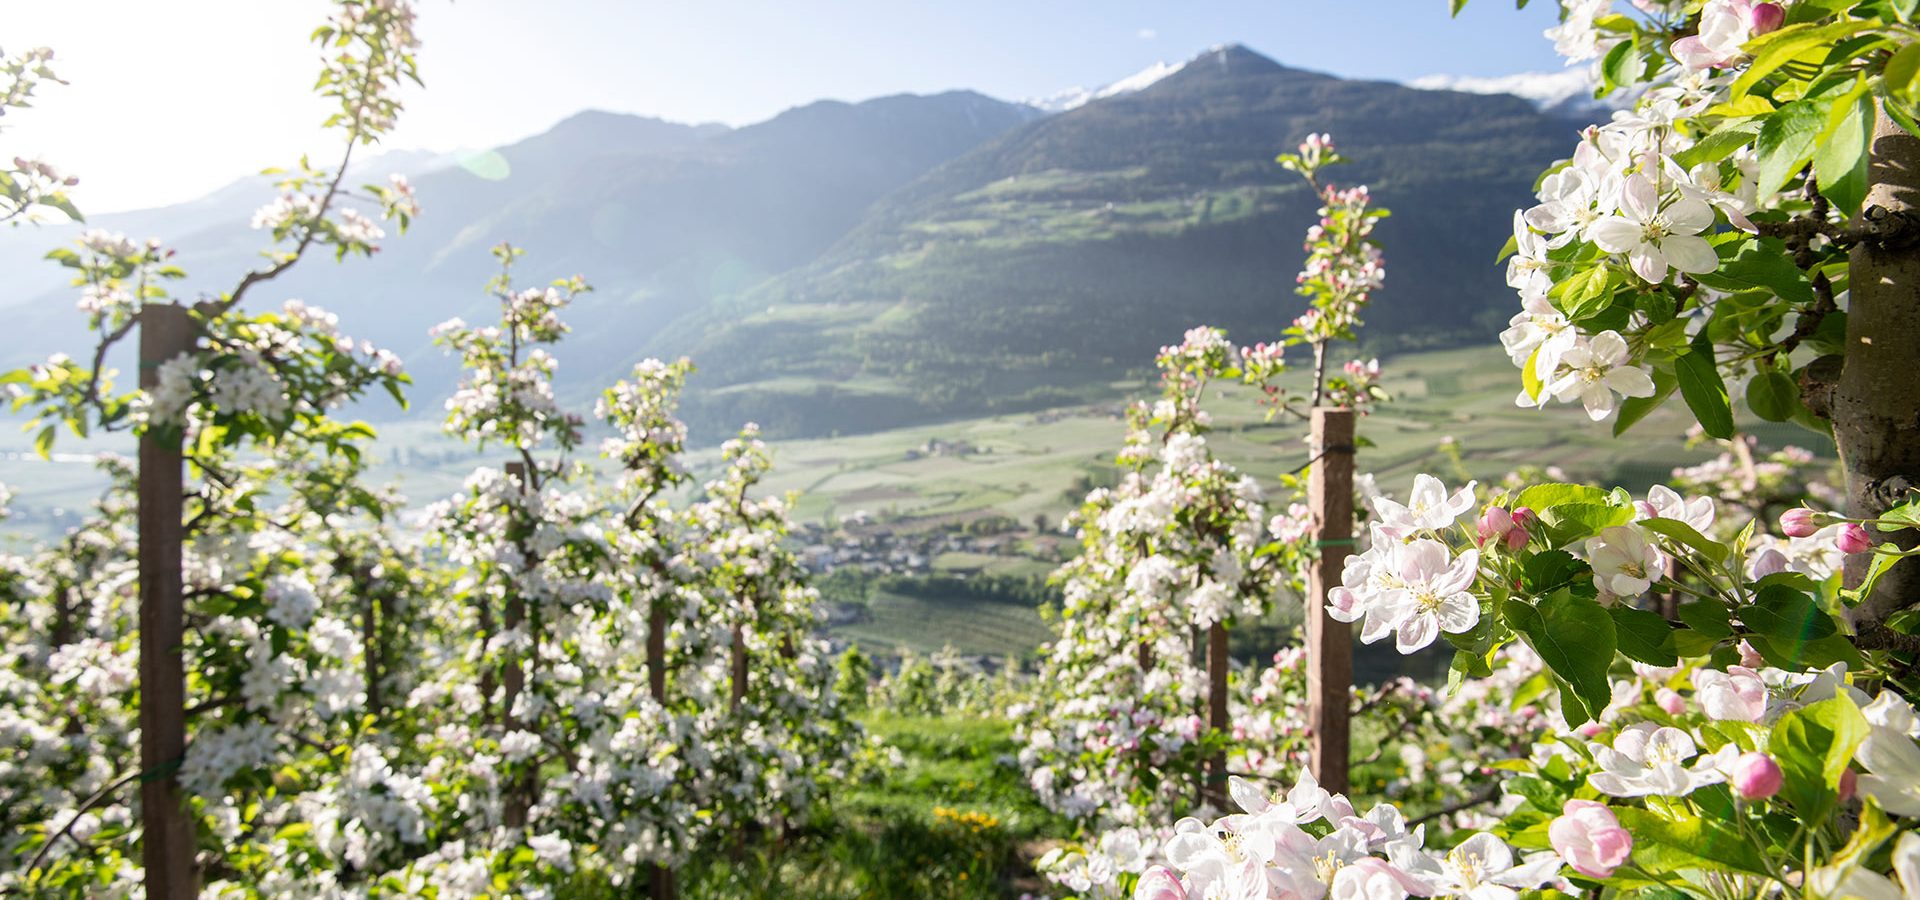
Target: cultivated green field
[1036,465]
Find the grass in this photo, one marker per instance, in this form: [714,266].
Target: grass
[949,823]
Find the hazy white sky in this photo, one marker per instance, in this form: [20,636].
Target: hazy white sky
[169,100]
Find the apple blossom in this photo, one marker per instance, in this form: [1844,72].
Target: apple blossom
[1428,508]
[1725,27]
[1657,235]
[1433,596]
[1159,883]
[1737,694]
[1625,563]
[1648,759]
[1594,370]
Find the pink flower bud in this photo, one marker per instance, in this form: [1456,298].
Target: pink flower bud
[1670,700]
[1756,776]
[1849,785]
[1853,538]
[1590,729]
[1159,883]
[1799,522]
[1494,525]
[1750,657]
[1589,837]
[1517,538]
[1764,18]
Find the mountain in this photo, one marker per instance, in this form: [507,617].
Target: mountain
[1076,97]
[1567,93]
[661,217]
[1047,263]
[855,266]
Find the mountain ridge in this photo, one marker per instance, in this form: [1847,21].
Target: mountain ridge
[852,266]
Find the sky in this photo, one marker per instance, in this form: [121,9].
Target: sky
[167,101]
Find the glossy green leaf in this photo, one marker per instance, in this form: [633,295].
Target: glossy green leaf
[1644,636]
[1772,395]
[1708,617]
[1786,143]
[1784,615]
[1840,161]
[1813,746]
[1574,636]
[1664,845]
[1704,391]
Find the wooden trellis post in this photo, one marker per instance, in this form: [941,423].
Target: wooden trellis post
[513,680]
[167,839]
[660,881]
[1215,791]
[739,661]
[1329,643]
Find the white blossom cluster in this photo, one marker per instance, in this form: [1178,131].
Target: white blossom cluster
[1624,194]
[1171,550]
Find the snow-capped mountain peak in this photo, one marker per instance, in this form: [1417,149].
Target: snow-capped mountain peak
[1075,97]
[1565,92]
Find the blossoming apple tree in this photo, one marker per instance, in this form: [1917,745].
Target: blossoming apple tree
[1184,546]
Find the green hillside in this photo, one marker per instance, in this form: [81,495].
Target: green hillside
[1041,266]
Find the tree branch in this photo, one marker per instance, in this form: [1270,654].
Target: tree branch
[1481,798]
[98,797]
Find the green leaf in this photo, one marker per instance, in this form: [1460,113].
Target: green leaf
[1701,387]
[1687,536]
[1690,644]
[1813,746]
[1786,143]
[1772,395]
[1840,162]
[1817,654]
[1621,67]
[1662,845]
[1902,75]
[1530,376]
[1708,617]
[1781,47]
[1748,263]
[1580,519]
[1550,570]
[1784,615]
[1585,293]
[1541,497]
[1575,638]
[1542,794]
[1720,144]
[1644,636]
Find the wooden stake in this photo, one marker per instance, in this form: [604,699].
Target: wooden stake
[660,880]
[1329,643]
[1218,662]
[168,832]
[513,680]
[739,667]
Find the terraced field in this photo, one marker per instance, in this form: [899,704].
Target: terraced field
[925,624]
